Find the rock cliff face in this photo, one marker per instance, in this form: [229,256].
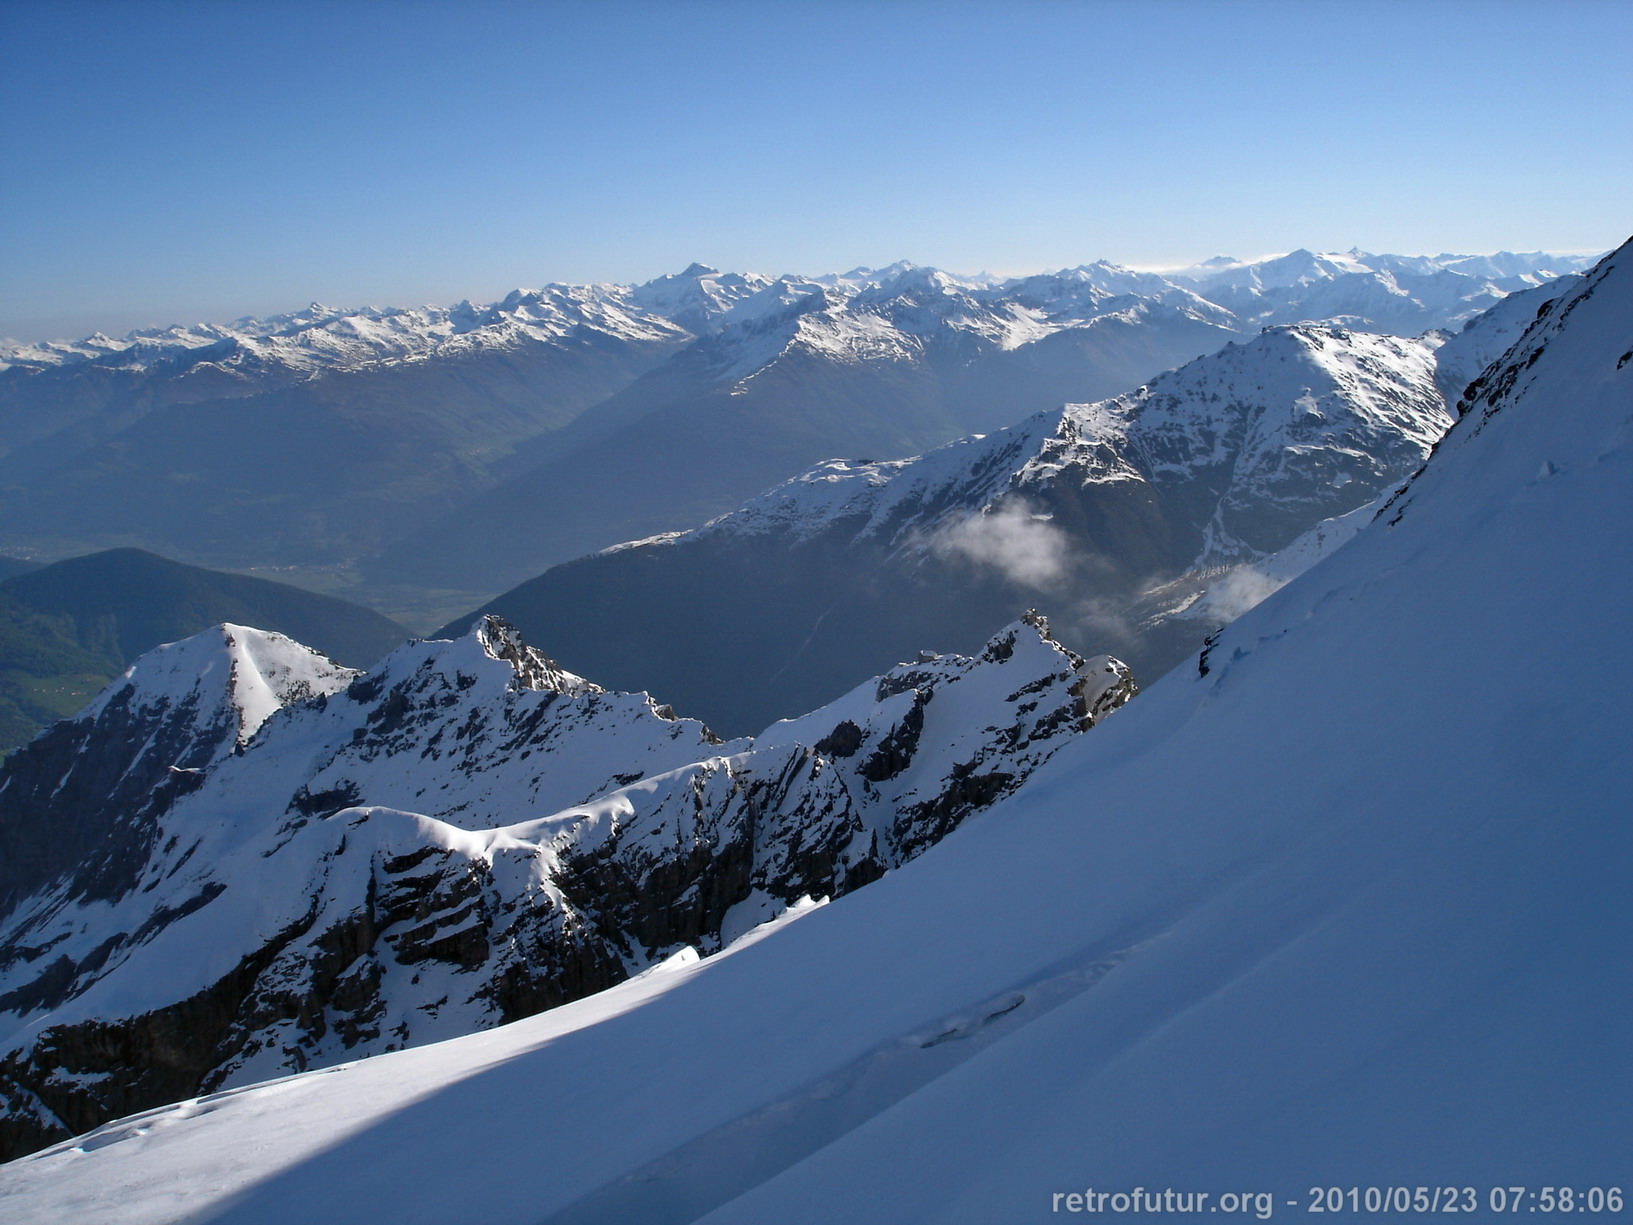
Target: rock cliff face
[308,864]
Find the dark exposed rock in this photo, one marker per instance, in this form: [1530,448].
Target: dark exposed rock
[895,752]
[843,741]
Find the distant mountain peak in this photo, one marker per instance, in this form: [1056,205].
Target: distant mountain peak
[228,671]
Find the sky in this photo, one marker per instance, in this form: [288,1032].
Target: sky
[166,162]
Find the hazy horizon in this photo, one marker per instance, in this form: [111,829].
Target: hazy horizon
[143,323]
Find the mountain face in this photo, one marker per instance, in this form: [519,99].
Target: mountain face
[802,363]
[826,578]
[1465,354]
[579,416]
[79,800]
[68,628]
[1343,905]
[891,369]
[297,864]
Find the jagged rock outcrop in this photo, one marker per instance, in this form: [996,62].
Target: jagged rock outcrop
[354,863]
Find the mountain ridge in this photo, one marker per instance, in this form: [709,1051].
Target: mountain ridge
[822,579]
[701,284]
[298,863]
[399,433]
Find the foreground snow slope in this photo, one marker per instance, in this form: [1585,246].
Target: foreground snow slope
[1347,907]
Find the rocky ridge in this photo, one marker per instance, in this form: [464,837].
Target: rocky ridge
[464,836]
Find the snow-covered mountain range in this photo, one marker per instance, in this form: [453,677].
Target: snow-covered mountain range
[582,415]
[243,860]
[1437,290]
[1343,905]
[827,577]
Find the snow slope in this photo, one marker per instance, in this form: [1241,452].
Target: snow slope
[1484,338]
[71,798]
[248,673]
[1346,908]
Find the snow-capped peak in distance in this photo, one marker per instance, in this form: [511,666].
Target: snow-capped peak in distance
[824,578]
[862,277]
[1108,277]
[1221,428]
[319,336]
[1294,268]
[919,281]
[697,298]
[585,415]
[319,339]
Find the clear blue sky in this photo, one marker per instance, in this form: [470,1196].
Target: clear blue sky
[164,162]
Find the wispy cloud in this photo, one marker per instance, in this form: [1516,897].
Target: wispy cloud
[1239,590]
[1026,548]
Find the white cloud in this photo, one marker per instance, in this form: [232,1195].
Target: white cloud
[1239,590]
[1024,547]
